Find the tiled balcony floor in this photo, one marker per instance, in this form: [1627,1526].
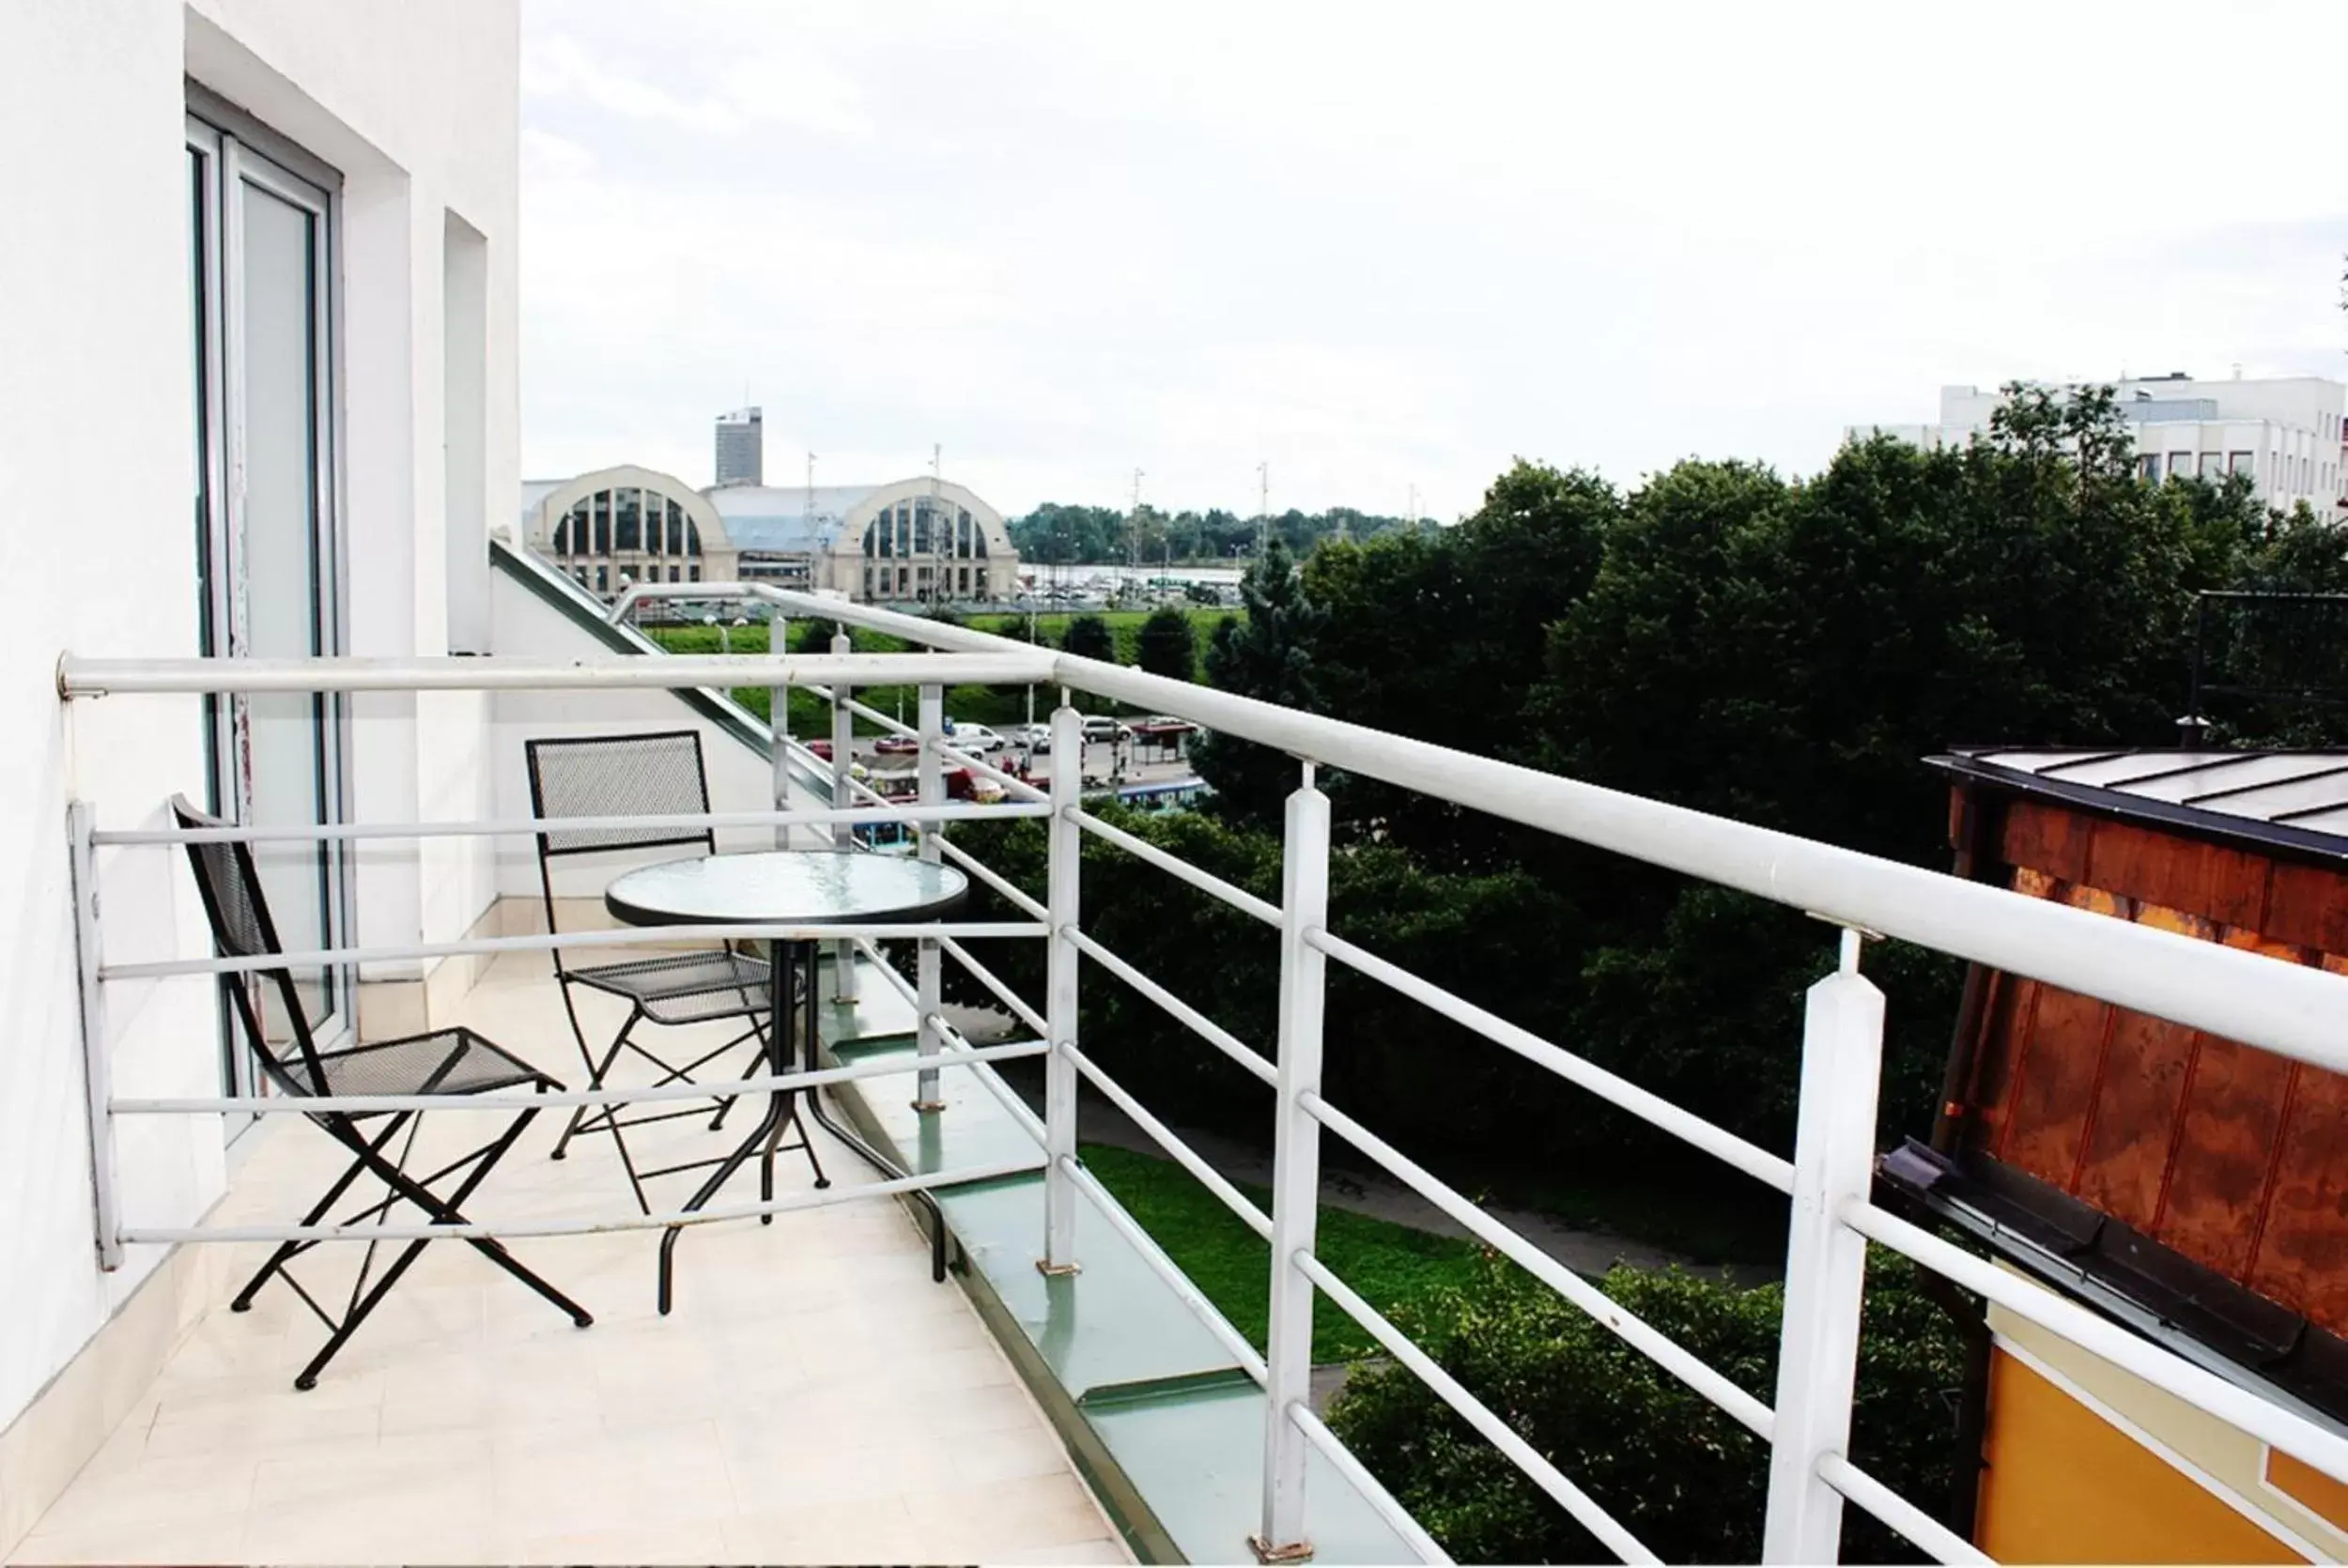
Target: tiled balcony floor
[813,1398]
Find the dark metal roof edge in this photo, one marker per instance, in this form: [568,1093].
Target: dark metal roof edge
[2119,803]
[2068,1278]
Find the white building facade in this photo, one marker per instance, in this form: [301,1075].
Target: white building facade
[279,242]
[919,540]
[2287,434]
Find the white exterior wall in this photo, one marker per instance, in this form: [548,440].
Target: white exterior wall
[416,104]
[2296,428]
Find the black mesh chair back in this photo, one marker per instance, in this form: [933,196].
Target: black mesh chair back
[614,776]
[230,886]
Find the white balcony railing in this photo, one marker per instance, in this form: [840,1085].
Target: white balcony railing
[2235,994]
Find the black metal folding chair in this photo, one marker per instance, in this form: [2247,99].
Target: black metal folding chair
[641,776]
[454,1062]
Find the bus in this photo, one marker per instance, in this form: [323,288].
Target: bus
[1171,795]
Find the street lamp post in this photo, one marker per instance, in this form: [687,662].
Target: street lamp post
[1029,597]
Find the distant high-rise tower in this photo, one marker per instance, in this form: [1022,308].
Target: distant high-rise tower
[741,448]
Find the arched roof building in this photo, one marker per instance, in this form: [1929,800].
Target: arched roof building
[914,540]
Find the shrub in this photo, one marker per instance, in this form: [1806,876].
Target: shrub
[1676,1472]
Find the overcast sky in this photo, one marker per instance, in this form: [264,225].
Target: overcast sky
[1385,247]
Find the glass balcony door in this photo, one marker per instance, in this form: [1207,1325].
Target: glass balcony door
[267,551]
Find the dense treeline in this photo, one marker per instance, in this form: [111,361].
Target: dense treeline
[1055,535]
[1781,651]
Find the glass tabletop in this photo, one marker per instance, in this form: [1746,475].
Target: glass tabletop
[784,885]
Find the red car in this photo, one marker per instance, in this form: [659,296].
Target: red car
[893,745]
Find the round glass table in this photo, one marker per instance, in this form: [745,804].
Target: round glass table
[783,887]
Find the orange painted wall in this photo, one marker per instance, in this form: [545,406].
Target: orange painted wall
[2065,1485]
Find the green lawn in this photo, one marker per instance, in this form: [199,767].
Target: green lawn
[1387,1263]
[1124,625]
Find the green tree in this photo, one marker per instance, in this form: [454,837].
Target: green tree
[1267,655]
[1678,1473]
[1439,636]
[1168,646]
[1089,637]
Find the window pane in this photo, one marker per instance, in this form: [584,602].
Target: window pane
[285,578]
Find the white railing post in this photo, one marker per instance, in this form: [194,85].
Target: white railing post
[842,835]
[1065,839]
[929,979]
[1826,1261]
[1295,1175]
[778,724]
[97,1056]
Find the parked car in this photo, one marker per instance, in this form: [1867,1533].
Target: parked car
[1037,738]
[1100,728]
[977,739]
[894,744]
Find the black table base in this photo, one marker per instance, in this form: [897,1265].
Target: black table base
[792,974]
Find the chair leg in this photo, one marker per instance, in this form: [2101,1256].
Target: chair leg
[443,1210]
[587,1058]
[757,1065]
[359,1312]
[288,1251]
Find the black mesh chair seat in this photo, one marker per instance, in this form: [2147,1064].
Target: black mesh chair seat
[684,988]
[447,1061]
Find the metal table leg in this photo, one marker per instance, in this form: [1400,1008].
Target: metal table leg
[784,959]
[865,1151]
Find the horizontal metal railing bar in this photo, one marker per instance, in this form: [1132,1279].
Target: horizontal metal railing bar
[2290,1009]
[1168,1139]
[890,725]
[1373,1491]
[532,826]
[667,1220]
[957,1042]
[553,1099]
[79,677]
[631,936]
[2238,1406]
[1015,1003]
[993,878]
[1105,1202]
[1123,1223]
[1722,1144]
[1019,786]
[1667,1353]
[1199,1023]
[1925,1533]
[1548,1477]
[1173,866]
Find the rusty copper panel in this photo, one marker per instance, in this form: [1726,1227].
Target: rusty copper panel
[2231,1117]
[2006,1022]
[2228,885]
[2307,905]
[2055,1085]
[2234,1158]
[2125,1161]
[2046,838]
[2302,1256]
